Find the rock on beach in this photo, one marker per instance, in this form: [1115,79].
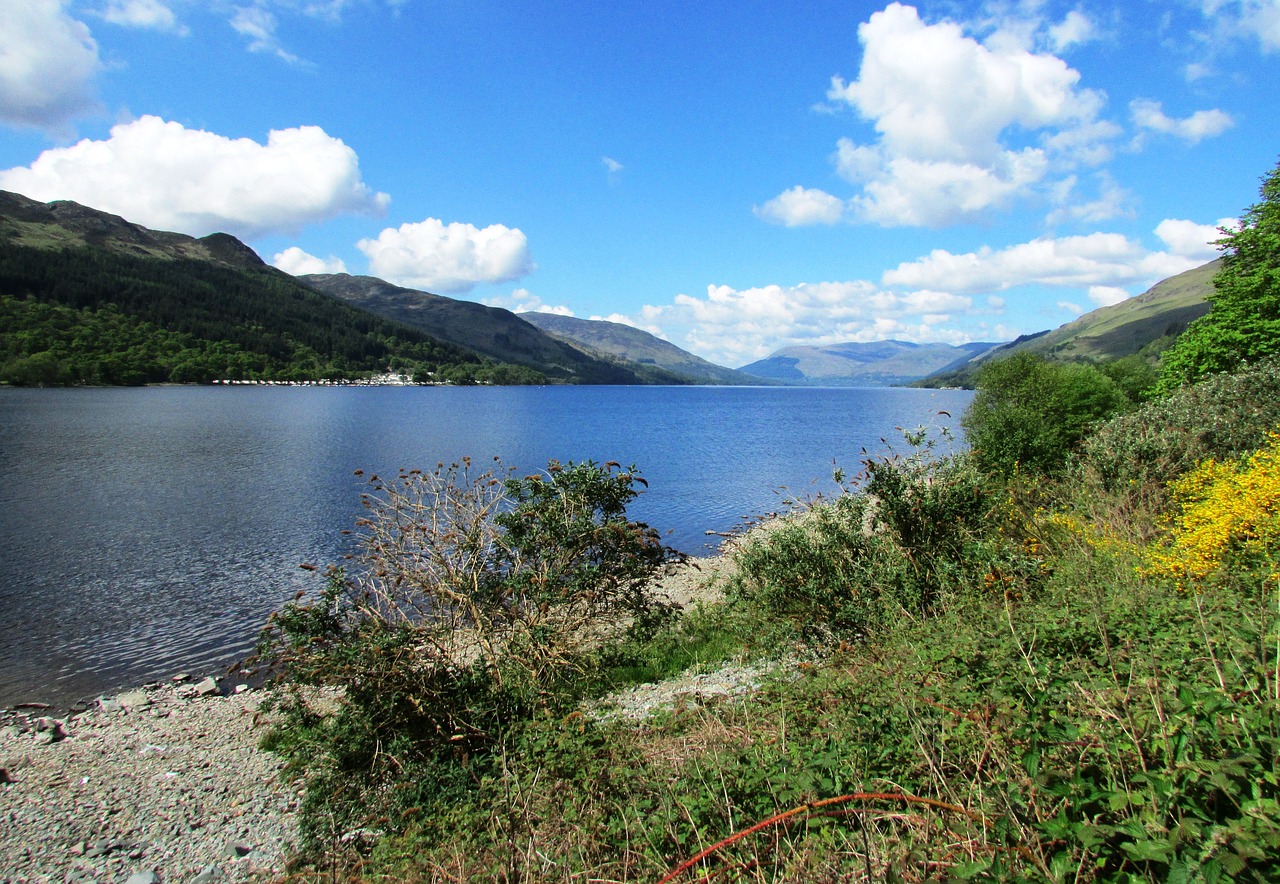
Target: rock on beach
[161,784]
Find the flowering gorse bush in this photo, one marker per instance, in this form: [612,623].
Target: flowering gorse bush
[1225,512]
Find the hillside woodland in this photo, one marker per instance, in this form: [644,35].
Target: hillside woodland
[1051,656]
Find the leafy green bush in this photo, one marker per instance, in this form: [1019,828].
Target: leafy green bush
[476,602]
[1030,414]
[1224,416]
[917,532]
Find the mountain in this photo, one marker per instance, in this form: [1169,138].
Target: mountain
[495,332]
[614,339]
[1145,324]
[878,364]
[87,297]
[62,224]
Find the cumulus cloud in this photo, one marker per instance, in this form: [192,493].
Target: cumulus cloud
[942,296]
[1191,240]
[1101,263]
[449,258]
[734,327]
[801,207]
[296,262]
[1200,125]
[166,176]
[945,108]
[149,14]
[48,63]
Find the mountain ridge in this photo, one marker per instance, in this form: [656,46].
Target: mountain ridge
[636,346]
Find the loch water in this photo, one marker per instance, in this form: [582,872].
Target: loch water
[149,531]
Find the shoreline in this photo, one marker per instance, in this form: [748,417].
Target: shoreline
[167,782]
[161,783]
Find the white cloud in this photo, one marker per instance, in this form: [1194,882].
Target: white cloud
[166,176]
[1191,240]
[448,258]
[1106,295]
[945,107]
[150,14]
[1203,124]
[257,24]
[1070,307]
[612,165]
[1232,20]
[1112,201]
[1075,29]
[522,300]
[800,207]
[1106,260]
[296,262]
[48,63]
[734,327]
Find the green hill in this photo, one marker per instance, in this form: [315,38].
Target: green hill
[1145,324]
[616,340]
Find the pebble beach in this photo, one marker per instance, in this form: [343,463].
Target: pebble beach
[165,783]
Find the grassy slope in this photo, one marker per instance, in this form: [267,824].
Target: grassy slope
[1150,320]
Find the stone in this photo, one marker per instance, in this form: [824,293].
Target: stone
[108,705]
[206,687]
[142,878]
[238,849]
[209,875]
[134,700]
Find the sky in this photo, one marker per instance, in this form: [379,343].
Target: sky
[736,177]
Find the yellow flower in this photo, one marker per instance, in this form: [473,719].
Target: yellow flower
[1221,507]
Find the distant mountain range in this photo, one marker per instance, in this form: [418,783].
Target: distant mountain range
[615,340]
[877,364]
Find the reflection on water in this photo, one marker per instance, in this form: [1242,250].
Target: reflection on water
[151,531]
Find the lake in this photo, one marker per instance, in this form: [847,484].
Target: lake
[150,531]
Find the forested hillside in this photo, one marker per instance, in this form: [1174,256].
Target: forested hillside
[87,298]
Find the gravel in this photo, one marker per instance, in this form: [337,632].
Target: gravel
[161,784]
[167,783]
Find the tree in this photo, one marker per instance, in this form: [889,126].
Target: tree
[1243,323]
[1029,414]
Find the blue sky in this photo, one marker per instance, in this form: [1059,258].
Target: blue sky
[736,177]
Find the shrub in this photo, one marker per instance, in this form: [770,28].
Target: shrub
[919,530]
[1224,416]
[1030,414]
[475,601]
[1226,512]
